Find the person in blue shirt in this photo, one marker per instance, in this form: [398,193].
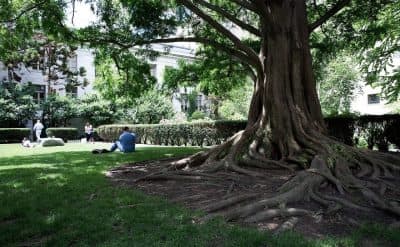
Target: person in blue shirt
[126,142]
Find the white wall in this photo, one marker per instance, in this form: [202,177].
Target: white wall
[360,103]
[85,58]
[184,51]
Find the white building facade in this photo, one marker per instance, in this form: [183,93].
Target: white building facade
[370,101]
[83,58]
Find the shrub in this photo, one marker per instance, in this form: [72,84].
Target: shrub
[197,115]
[13,135]
[49,142]
[63,133]
[196,133]
[341,128]
[375,131]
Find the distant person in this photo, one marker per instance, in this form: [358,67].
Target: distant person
[89,133]
[126,142]
[27,143]
[37,128]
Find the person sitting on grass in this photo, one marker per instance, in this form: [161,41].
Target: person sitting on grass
[126,142]
[27,143]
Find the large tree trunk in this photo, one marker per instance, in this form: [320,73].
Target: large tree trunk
[288,93]
[286,130]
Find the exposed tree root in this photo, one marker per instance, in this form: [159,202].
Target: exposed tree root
[333,175]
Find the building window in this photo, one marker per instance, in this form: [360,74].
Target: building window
[73,63]
[373,99]
[199,102]
[184,102]
[153,70]
[72,91]
[39,93]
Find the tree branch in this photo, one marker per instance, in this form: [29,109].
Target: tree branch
[331,12]
[245,4]
[235,40]
[30,8]
[230,17]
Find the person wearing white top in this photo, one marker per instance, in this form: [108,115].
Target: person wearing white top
[38,127]
[89,133]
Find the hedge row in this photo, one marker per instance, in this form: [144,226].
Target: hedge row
[377,131]
[195,134]
[63,133]
[13,135]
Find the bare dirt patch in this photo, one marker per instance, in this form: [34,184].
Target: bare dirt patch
[198,193]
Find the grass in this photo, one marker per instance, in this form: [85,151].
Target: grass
[60,197]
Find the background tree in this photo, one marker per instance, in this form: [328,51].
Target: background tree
[16,104]
[339,85]
[96,110]
[236,105]
[121,76]
[213,73]
[150,108]
[57,110]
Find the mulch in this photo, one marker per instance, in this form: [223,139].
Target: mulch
[197,194]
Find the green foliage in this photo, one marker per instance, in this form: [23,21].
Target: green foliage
[195,133]
[236,106]
[370,31]
[57,110]
[16,104]
[121,75]
[197,115]
[10,135]
[96,110]
[214,73]
[63,133]
[367,131]
[150,108]
[49,142]
[377,130]
[192,100]
[338,86]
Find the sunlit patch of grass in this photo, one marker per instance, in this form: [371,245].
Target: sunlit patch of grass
[27,166]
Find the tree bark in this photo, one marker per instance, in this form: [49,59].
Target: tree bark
[286,86]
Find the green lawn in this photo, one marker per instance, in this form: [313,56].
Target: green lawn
[60,197]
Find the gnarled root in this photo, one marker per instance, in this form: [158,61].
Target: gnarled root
[339,177]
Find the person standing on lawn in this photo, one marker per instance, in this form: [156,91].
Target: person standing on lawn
[89,133]
[37,128]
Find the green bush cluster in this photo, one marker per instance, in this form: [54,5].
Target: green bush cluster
[376,131]
[188,134]
[13,135]
[63,133]
[52,142]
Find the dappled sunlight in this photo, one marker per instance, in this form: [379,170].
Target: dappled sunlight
[15,184]
[168,155]
[26,166]
[52,176]
[51,218]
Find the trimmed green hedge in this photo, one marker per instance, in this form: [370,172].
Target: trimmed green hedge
[378,131]
[64,133]
[195,134]
[13,135]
